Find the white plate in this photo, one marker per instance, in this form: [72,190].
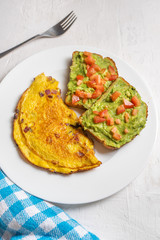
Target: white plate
[119,167]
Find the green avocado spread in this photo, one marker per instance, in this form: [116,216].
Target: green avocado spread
[134,125]
[79,68]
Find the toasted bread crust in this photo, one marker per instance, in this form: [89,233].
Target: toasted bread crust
[80,105]
[98,139]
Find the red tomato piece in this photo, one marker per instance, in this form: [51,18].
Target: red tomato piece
[135,101]
[134,112]
[117,136]
[103,113]
[96,67]
[87,53]
[75,99]
[88,67]
[89,60]
[118,121]
[96,94]
[103,70]
[108,75]
[98,119]
[91,84]
[90,72]
[113,77]
[126,131]
[96,112]
[83,94]
[87,95]
[115,95]
[127,104]
[120,109]
[80,93]
[96,78]
[110,121]
[79,82]
[84,100]
[105,79]
[100,88]
[126,117]
[114,130]
[111,70]
[79,77]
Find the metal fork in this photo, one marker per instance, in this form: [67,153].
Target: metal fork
[54,31]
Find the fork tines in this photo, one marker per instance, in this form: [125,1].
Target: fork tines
[68,21]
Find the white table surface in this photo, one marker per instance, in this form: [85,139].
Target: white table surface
[131,30]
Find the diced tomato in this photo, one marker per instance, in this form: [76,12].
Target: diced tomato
[80,93]
[88,67]
[134,112]
[75,99]
[107,116]
[83,94]
[115,95]
[117,136]
[100,88]
[103,113]
[135,101]
[105,79]
[96,67]
[90,72]
[127,104]
[110,121]
[126,131]
[96,78]
[103,70]
[91,84]
[96,112]
[118,121]
[88,95]
[96,94]
[84,100]
[114,130]
[113,77]
[87,53]
[103,82]
[108,75]
[79,77]
[120,109]
[89,60]
[126,117]
[111,70]
[79,82]
[98,119]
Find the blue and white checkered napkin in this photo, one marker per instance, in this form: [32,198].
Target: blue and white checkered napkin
[23,216]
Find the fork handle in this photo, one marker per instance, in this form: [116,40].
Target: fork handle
[11,49]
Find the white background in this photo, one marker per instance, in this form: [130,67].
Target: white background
[130,30]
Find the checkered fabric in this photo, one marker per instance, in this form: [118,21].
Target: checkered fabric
[23,216]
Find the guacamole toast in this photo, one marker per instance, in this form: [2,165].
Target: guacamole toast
[90,77]
[117,117]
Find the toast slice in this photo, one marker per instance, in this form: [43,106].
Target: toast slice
[117,117]
[90,76]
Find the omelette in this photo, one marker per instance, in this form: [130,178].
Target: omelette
[46,131]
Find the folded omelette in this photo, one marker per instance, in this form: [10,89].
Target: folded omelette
[46,133]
